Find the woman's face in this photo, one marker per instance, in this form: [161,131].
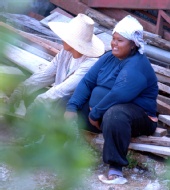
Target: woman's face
[121,47]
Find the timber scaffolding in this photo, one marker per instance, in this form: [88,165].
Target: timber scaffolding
[30,45]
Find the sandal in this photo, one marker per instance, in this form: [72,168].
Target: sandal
[113,174]
[114,177]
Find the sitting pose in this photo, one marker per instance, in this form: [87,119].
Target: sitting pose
[118,95]
[80,51]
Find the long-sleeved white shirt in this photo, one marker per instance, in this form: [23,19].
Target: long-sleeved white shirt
[63,74]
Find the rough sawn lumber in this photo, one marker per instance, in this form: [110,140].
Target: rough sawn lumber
[156,145]
[24,59]
[51,47]
[76,7]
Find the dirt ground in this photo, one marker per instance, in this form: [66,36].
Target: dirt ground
[146,175]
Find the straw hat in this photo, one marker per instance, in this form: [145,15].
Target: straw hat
[78,33]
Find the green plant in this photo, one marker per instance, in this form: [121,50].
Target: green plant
[132,160]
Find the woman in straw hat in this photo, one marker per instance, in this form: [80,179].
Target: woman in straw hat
[121,89]
[80,51]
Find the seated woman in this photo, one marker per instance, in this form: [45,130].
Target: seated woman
[118,96]
[80,51]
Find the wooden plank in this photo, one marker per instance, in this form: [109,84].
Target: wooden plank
[163,108]
[35,15]
[164,119]
[162,16]
[32,50]
[159,141]
[50,47]
[130,4]
[150,148]
[109,20]
[26,47]
[24,59]
[73,6]
[58,17]
[163,79]
[55,17]
[163,74]
[153,17]
[164,99]
[160,132]
[159,24]
[26,21]
[61,11]
[156,149]
[164,87]
[101,18]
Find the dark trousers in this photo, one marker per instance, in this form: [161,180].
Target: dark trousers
[120,123]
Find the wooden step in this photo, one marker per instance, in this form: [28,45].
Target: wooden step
[157,145]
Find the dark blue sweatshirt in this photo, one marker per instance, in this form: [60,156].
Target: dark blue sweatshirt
[112,81]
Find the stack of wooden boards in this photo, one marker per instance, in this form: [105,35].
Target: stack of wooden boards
[26,53]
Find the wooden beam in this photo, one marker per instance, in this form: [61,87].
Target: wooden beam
[110,17]
[24,59]
[164,99]
[118,14]
[73,6]
[156,145]
[30,48]
[159,141]
[161,70]
[51,47]
[31,23]
[35,15]
[150,148]
[54,17]
[159,25]
[163,108]
[130,4]
[164,119]
[164,88]
[163,74]
[61,11]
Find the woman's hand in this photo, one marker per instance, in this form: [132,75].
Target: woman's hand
[95,123]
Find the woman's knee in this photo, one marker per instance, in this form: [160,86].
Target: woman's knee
[115,119]
[116,113]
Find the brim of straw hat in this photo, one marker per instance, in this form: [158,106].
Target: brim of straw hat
[94,48]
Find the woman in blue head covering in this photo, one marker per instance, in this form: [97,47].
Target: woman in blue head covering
[118,96]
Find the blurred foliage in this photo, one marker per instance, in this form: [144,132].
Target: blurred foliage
[50,144]
[42,141]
